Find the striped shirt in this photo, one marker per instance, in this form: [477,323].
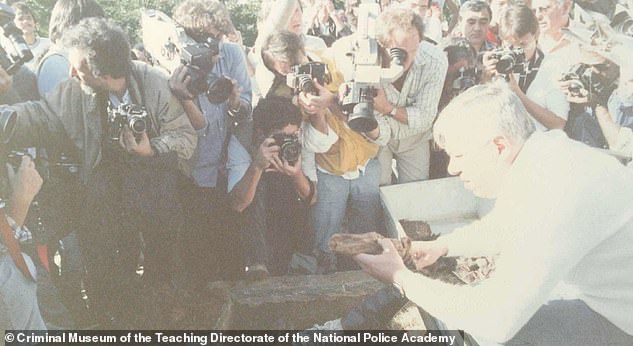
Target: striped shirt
[420,95]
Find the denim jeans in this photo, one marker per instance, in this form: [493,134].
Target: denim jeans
[335,193]
[18,300]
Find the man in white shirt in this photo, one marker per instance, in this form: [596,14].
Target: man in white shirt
[562,215]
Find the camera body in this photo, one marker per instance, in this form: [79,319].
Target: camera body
[289,147]
[130,115]
[301,77]
[14,51]
[622,22]
[367,56]
[198,59]
[584,76]
[512,60]
[468,78]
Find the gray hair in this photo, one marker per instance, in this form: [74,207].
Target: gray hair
[105,44]
[490,106]
[397,18]
[282,45]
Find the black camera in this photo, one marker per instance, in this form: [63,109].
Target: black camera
[289,147]
[468,78]
[510,60]
[358,104]
[599,80]
[301,77]
[198,59]
[130,115]
[15,52]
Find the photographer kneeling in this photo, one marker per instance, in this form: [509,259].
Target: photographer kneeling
[530,73]
[18,308]
[274,192]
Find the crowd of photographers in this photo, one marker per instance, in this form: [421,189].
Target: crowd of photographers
[243,161]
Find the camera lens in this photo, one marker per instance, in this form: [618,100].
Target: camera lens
[397,56]
[137,125]
[306,84]
[7,125]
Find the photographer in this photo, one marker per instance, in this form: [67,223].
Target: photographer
[474,24]
[274,193]
[587,86]
[409,104]
[219,156]
[530,73]
[345,166]
[19,308]
[129,175]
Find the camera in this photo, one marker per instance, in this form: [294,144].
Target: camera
[301,77]
[289,147]
[198,59]
[357,100]
[358,104]
[14,51]
[468,77]
[130,115]
[8,118]
[622,23]
[598,80]
[510,60]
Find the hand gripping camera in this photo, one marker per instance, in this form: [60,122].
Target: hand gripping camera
[196,55]
[598,80]
[132,116]
[289,147]
[301,77]
[511,60]
[198,58]
[14,51]
[358,97]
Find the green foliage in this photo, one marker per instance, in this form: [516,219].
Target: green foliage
[244,18]
[127,14]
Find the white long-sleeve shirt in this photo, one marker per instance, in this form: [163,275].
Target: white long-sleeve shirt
[564,215]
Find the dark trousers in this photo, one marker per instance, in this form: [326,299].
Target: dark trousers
[209,243]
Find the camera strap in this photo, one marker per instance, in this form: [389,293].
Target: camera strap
[525,79]
[14,248]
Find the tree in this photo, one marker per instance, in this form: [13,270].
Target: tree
[127,14]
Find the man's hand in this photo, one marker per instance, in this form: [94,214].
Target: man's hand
[178,83]
[289,169]
[381,104]
[514,86]
[384,266]
[314,103]
[267,151]
[581,96]
[25,182]
[140,146]
[6,81]
[490,65]
[426,253]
